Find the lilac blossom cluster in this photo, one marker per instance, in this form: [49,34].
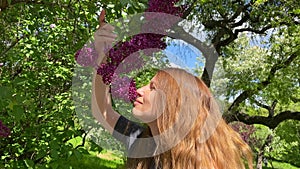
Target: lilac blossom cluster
[160,23]
[123,87]
[246,131]
[166,6]
[4,131]
[122,50]
[87,56]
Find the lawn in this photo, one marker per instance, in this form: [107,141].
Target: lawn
[104,160]
[280,165]
[108,160]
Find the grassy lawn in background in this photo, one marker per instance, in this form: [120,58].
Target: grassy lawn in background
[280,165]
[94,160]
[103,160]
[108,160]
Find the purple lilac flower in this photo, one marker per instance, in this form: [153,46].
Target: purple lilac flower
[160,24]
[133,62]
[52,25]
[125,88]
[87,56]
[4,130]
[245,131]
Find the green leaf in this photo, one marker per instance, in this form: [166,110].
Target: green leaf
[54,145]
[5,92]
[41,153]
[29,164]
[20,81]
[124,2]
[77,154]
[54,165]
[18,112]
[54,154]
[296,11]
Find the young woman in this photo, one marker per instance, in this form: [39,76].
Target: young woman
[184,126]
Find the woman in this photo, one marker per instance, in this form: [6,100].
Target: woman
[184,125]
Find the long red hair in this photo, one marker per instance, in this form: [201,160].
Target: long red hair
[192,128]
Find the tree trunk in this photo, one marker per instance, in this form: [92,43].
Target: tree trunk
[260,159]
[261,151]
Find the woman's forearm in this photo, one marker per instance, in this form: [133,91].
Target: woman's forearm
[101,104]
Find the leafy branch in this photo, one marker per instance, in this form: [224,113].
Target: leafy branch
[247,93]
[13,44]
[271,109]
[271,122]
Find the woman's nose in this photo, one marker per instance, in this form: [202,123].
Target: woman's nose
[140,92]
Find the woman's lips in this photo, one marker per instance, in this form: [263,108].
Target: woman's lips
[137,102]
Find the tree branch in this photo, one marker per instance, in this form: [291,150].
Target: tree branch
[4,3]
[209,52]
[295,99]
[225,42]
[262,105]
[240,10]
[261,31]
[271,122]
[13,44]
[189,10]
[83,139]
[271,109]
[247,93]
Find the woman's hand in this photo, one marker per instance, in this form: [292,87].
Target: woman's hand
[104,37]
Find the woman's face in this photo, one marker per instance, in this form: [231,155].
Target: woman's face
[144,103]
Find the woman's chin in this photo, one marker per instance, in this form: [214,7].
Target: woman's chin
[145,117]
[136,113]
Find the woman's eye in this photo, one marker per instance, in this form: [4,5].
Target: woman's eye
[152,87]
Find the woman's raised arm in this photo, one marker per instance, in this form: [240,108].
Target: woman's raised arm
[101,100]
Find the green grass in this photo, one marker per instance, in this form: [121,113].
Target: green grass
[94,162]
[108,160]
[280,165]
[89,161]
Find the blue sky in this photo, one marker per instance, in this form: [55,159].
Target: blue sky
[182,54]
